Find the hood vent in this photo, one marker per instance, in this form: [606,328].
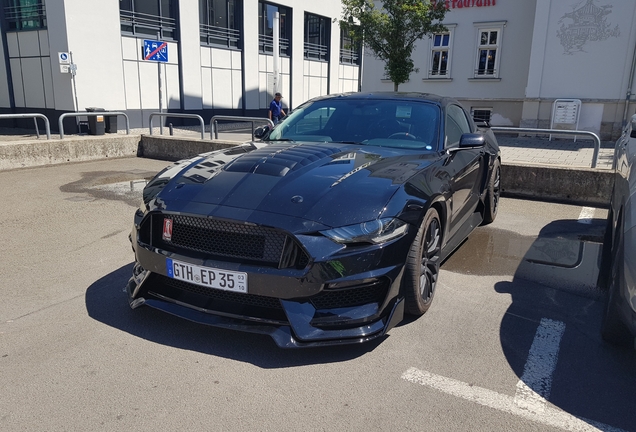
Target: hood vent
[279,160]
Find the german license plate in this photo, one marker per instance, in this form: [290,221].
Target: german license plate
[207,276]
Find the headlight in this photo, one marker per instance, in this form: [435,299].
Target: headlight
[376,231]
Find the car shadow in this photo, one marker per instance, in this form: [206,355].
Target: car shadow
[107,303]
[555,277]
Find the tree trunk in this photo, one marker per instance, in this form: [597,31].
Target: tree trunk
[395,86]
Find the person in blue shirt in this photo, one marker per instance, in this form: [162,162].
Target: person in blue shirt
[276,112]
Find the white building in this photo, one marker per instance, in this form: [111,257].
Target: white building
[509,60]
[218,52]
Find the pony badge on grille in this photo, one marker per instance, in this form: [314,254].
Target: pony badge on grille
[167,229]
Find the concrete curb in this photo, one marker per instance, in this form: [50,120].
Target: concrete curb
[580,186]
[30,153]
[176,148]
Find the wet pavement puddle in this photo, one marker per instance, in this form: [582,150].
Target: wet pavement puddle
[121,186]
[569,261]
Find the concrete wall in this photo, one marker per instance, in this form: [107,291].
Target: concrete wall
[348,78]
[315,78]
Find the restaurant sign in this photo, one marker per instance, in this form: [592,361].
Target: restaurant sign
[457,4]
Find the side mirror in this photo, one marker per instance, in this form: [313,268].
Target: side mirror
[472,140]
[261,132]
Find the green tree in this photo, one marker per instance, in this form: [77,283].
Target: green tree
[391,30]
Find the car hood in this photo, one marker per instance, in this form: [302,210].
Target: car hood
[328,183]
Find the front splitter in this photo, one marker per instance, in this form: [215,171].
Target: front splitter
[282,334]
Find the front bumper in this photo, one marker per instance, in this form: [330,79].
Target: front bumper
[284,336]
[343,297]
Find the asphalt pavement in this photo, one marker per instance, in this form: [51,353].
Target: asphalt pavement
[511,342]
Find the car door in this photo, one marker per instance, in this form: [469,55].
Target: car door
[465,167]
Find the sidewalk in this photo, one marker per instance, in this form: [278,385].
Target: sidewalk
[563,152]
[539,150]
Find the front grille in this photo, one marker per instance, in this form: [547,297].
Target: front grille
[246,305]
[356,296]
[257,306]
[222,295]
[225,239]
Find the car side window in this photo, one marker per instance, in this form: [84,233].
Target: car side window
[456,125]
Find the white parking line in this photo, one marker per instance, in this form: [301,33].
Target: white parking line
[586,215]
[533,389]
[550,416]
[530,400]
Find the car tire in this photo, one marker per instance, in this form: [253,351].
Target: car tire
[491,204]
[613,330]
[422,265]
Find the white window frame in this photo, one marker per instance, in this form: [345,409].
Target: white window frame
[448,48]
[488,28]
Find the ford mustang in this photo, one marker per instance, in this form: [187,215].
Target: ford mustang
[327,230]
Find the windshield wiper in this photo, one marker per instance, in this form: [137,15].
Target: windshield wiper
[351,142]
[282,139]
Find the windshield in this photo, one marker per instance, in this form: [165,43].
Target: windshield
[380,122]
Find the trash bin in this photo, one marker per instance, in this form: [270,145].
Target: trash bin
[83,127]
[96,124]
[111,123]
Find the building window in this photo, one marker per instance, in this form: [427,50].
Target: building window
[481,115]
[25,15]
[488,52]
[266,13]
[440,58]
[220,22]
[317,37]
[349,50]
[149,18]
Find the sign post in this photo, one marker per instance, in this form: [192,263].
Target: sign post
[156,50]
[565,115]
[67,66]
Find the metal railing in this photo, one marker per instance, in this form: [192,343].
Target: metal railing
[194,116]
[486,73]
[47,124]
[214,133]
[595,137]
[221,36]
[316,52]
[60,122]
[266,45]
[349,56]
[147,24]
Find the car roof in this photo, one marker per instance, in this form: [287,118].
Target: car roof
[413,96]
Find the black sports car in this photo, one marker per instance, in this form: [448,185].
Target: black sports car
[324,232]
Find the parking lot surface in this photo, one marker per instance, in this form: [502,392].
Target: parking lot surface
[511,341]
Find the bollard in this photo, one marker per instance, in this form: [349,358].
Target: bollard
[171,129]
